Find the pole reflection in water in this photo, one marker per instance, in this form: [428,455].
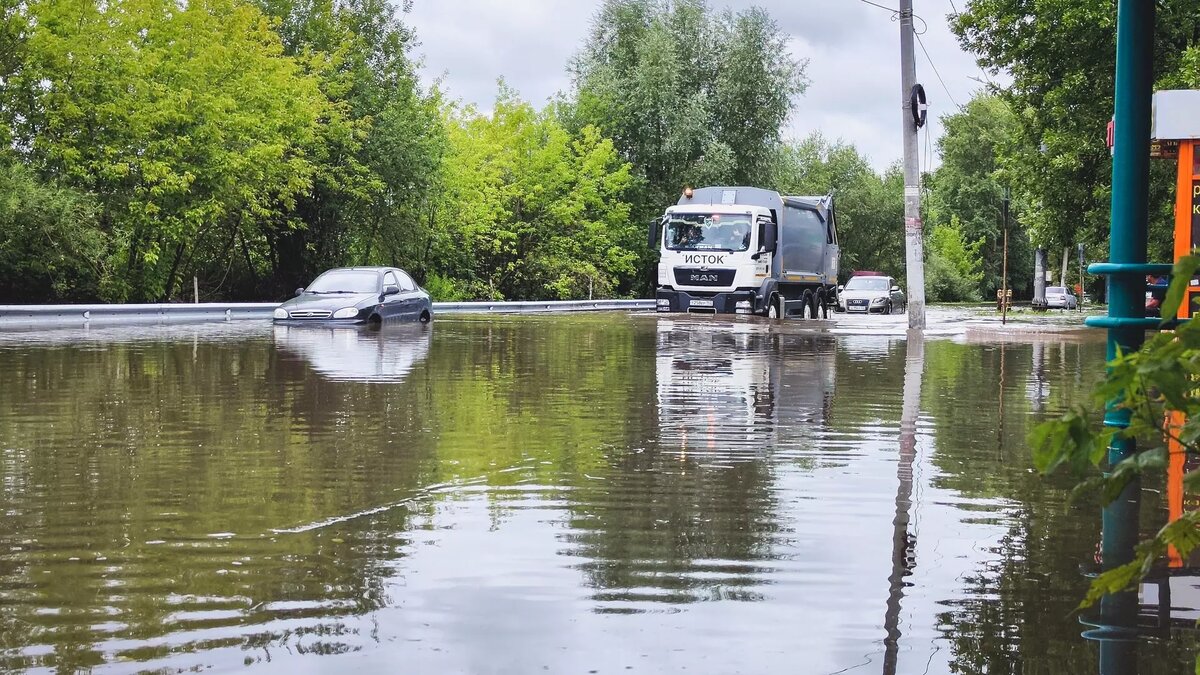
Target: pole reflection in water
[533,494]
[903,543]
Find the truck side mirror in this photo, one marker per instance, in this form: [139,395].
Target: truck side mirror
[652,235]
[769,237]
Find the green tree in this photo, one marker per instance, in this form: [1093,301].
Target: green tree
[966,192]
[688,96]
[530,210]
[372,199]
[870,206]
[953,268]
[1061,56]
[187,123]
[51,247]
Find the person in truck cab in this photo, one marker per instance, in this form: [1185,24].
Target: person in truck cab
[739,238]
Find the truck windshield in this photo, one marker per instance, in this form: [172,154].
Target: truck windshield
[708,232]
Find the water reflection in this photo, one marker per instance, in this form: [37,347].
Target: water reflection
[903,541]
[359,353]
[734,391]
[522,494]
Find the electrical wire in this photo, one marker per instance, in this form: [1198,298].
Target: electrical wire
[981,70]
[896,15]
[939,75]
[880,6]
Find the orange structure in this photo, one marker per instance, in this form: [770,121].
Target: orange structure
[1187,212]
[1187,237]
[1176,135]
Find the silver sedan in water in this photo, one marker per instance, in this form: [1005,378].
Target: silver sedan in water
[358,295]
[871,294]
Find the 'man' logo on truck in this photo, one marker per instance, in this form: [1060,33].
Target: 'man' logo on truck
[703,259]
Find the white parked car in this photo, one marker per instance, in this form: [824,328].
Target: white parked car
[871,294]
[1059,297]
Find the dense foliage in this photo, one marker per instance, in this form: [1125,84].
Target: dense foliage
[1061,55]
[253,143]
[689,96]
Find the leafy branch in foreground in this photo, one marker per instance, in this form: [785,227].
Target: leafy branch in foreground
[1154,384]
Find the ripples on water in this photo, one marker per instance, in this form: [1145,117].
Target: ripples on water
[573,494]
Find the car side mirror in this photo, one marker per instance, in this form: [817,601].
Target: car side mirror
[299,291]
[895,289]
[841,288]
[390,289]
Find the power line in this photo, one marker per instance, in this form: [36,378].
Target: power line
[935,71]
[893,11]
[896,15]
[981,70]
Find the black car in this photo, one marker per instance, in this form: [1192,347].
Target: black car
[350,295]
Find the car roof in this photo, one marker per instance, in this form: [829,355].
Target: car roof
[362,269]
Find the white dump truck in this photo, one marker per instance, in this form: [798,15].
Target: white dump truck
[747,250]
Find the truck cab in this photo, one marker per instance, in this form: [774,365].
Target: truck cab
[745,250]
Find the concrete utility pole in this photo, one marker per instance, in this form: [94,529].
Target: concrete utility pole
[914,253]
[1004,271]
[1039,278]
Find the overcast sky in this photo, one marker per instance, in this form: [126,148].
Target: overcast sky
[852,50]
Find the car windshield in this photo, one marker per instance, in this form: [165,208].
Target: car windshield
[867,284]
[345,281]
[708,232]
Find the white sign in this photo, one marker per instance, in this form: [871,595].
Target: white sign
[728,196]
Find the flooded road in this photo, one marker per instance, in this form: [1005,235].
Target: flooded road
[578,494]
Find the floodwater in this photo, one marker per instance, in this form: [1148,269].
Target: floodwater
[563,494]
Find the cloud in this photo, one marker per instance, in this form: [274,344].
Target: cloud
[852,50]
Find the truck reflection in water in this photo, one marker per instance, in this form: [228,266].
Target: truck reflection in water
[738,411]
[738,391]
[356,353]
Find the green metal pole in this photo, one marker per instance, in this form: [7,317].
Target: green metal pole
[1126,296]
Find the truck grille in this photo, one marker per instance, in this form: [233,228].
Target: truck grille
[310,314]
[694,276]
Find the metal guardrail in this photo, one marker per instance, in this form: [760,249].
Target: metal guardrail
[79,315]
[537,306]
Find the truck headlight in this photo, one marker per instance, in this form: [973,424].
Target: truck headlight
[346,313]
[280,313]
[664,302]
[742,304]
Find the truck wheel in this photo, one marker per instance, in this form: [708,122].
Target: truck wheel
[775,307]
[823,303]
[809,306]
